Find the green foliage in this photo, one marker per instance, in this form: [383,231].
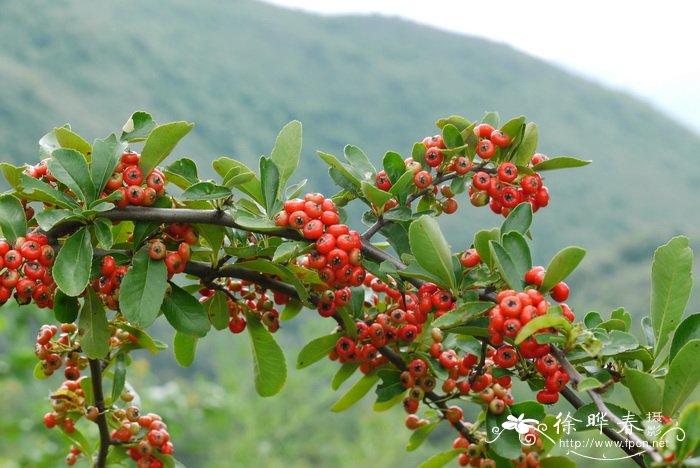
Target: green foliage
[12,218]
[74,262]
[269,364]
[431,250]
[143,289]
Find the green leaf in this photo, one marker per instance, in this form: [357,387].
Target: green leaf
[506,266]
[270,180]
[543,321]
[269,365]
[34,189]
[440,459]
[266,266]
[508,444]
[288,250]
[519,219]
[291,310]
[103,233]
[184,347]
[205,191]
[689,329]
[671,283]
[460,122]
[482,244]
[185,313]
[562,162]
[689,421]
[73,263]
[71,169]
[561,266]
[217,310]
[515,244]
[390,385]
[105,158]
[142,289]
[513,127]
[287,151]
[683,377]
[63,137]
[527,146]
[344,373]
[648,330]
[160,143]
[431,250]
[182,173]
[592,319]
[250,187]
[356,392]
[119,378]
[13,221]
[419,435]
[65,308]
[463,314]
[621,314]
[247,222]
[380,406]
[143,339]
[557,462]
[394,166]
[317,349]
[340,167]
[360,163]
[375,196]
[94,329]
[645,390]
[138,127]
[452,137]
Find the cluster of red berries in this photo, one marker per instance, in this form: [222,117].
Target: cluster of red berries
[54,349]
[473,454]
[338,250]
[179,237]
[26,270]
[108,283]
[147,434]
[245,296]
[68,405]
[135,189]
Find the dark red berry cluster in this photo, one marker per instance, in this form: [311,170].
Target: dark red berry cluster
[173,245]
[136,189]
[26,270]
[146,434]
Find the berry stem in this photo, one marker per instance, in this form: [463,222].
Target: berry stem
[101,420]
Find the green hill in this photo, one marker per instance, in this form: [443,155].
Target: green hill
[241,69]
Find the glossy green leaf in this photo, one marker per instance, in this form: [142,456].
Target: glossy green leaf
[671,283]
[217,310]
[513,127]
[143,339]
[63,137]
[71,269]
[463,314]
[143,289]
[70,168]
[458,121]
[138,127]
[389,386]
[592,319]
[527,146]
[291,310]
[482,241]
[419,435]
[344,373]
[355,393]
[119,376]
[36,190]
[689,329]
[103,233]
[621,314]
[359,163]
[94,329]
[557,462]
[562,162]
[287,151]
[160,143]
[65,308]
[106,155]
[515,244]
[506,266]
[648,330]
[288,250]
[182,173]
[561,266]
[394,166]
[266,266]
[270,181]
[452,136]
[440,459]
[689,421]
[13,221]
[250,187]
[248,222]
[185,348]
[205,191]
[380,406]
[340,167]
[645,390]
[543,321]
[317,349]
[185,313]
[519,219]
[269,365]
[431,250]
[374,195]
[683,377]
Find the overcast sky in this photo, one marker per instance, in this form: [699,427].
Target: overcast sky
[646,48]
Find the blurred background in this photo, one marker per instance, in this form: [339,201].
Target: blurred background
[613,83]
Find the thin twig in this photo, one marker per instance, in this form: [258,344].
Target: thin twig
[101,420]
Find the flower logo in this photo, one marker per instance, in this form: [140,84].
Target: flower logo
[519,424]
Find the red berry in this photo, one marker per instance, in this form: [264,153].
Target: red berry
[546,365]
[30,250]
[108,265]
[313,210]
[499,138]
[481,180]
[325,243]
[133,175]
[505,357]
[313,229]
[507,172]
[298,219]
[174,263]
[485,149]
[433,157]
[293,205]
[330,217]
[530,184]
[423,179]
[13,259]
[130,158]
[157,250]
[135,195]
[483,130]
[449,206]
[155,181]
[382,181]
[547,398]
[560,292]
[470,258]
[281,218]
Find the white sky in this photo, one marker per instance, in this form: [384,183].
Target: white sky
[647,48]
